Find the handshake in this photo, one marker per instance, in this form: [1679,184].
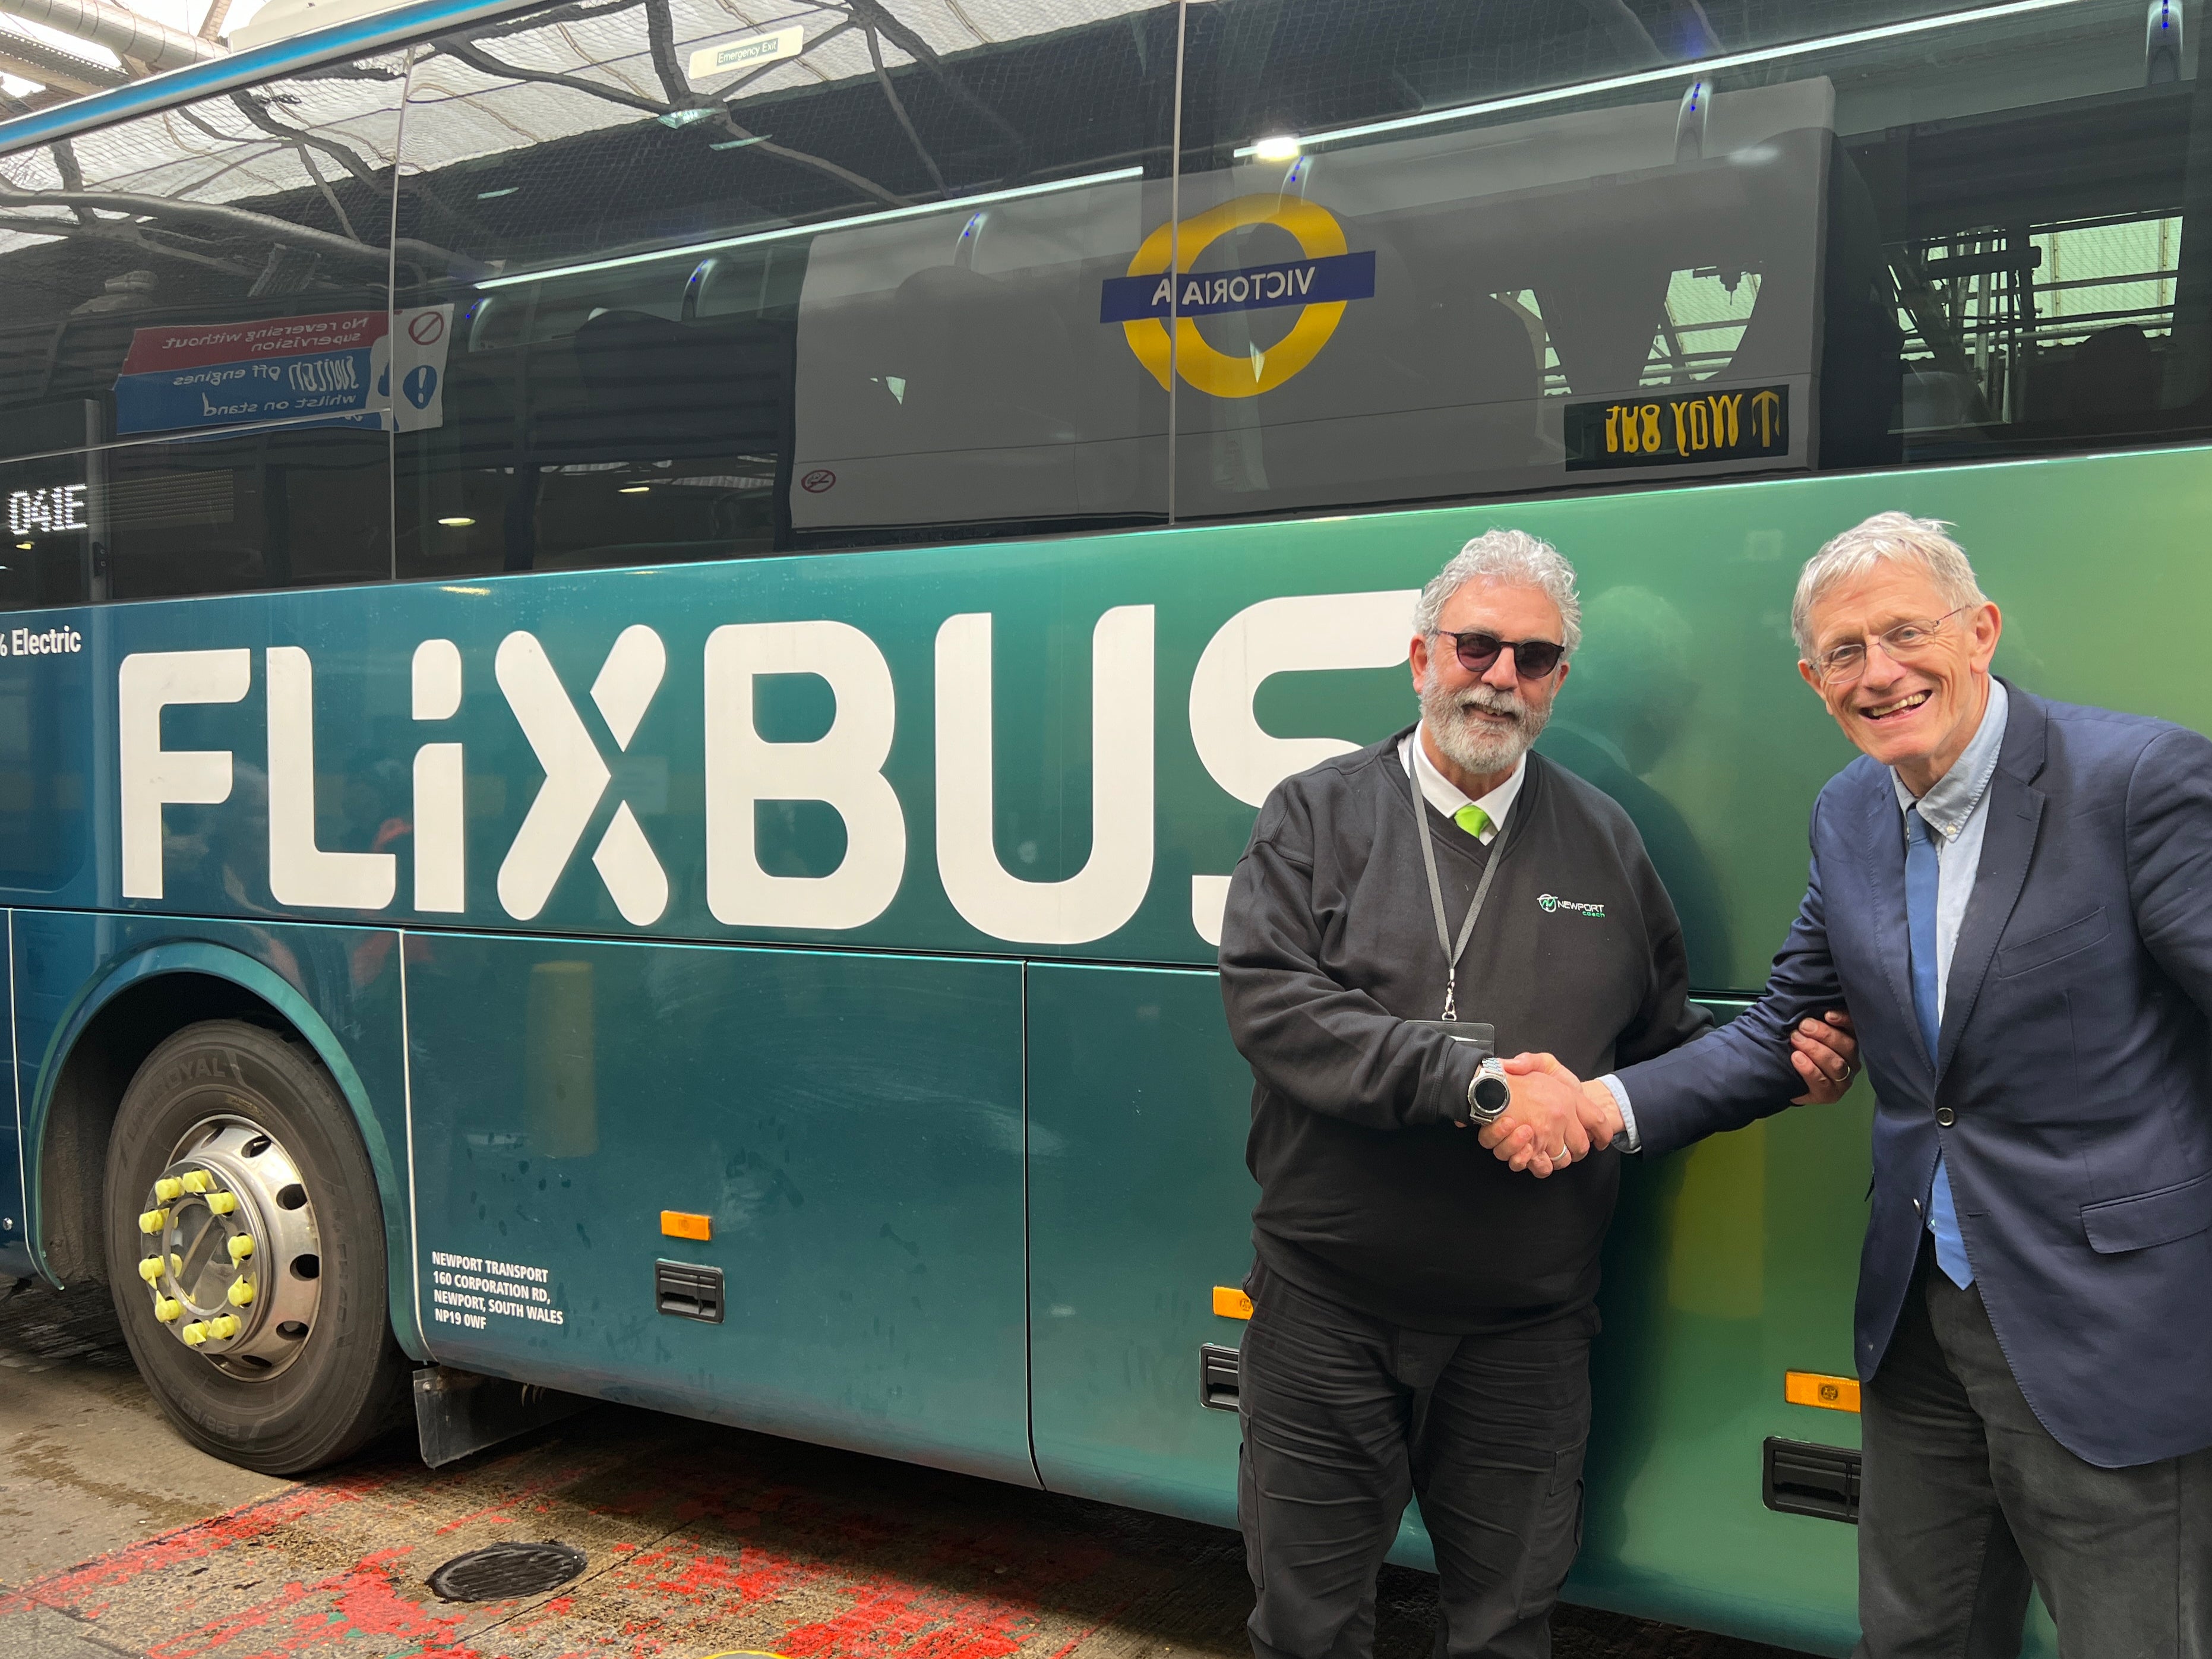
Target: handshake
[1556,1118]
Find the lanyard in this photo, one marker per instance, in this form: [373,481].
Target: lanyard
[1452,952]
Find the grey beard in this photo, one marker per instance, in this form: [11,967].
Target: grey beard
[1479,746]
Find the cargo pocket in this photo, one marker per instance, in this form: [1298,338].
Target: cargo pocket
[1555,1538]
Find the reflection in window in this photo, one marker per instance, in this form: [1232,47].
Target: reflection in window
[753,288]
[2070,325]
[1702,322]
[128,255]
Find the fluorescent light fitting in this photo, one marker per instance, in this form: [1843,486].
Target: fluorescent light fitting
[1702,68]
[1275,147]
[693,250]
[489,195]
[739,143]
[457,524]
[633,490]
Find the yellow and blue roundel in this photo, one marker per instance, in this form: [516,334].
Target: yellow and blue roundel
[1320,284]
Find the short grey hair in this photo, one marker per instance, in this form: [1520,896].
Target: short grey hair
[1504,556]
[1885,537]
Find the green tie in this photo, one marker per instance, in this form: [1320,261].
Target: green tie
[1472,819]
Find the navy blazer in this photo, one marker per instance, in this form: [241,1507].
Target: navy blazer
[2071,1093]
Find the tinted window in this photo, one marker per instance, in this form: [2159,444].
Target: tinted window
[276,507]
[1581,245]
[196,343]
[2036,211]
[754,287]
[149,265]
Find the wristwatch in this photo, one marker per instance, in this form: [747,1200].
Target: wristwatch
[1488,1093]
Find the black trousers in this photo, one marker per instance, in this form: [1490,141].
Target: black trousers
[1346,1417]
[1967,1501]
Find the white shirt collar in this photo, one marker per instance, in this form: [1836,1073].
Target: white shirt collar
[1447,797]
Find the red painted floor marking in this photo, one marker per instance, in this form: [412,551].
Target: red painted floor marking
[71,1588]
[362,1601]
[666,1595]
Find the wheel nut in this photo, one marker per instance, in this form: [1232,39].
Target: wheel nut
[150,1268]
[166,1309]
[242,1292]
[194,1333]
[168,1189]
[222,1203]
[223,1326]
[241,1248]
[198,1181]
[152,1221]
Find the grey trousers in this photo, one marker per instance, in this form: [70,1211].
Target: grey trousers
[1346,1417]
[1967,1501]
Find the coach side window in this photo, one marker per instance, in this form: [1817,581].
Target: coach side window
[1520,253]
[192,352]
[711,289]
[1578,246]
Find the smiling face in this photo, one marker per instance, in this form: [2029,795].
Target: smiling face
[1916,713]
[1477,726]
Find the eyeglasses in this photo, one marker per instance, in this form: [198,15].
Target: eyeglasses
[1840,664]
[1532,659]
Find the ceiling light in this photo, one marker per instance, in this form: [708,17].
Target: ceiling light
[23,547]
[1276,147]
[457,524]
[493,195]
[633,490]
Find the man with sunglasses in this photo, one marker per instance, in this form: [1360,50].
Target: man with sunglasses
[1422,1315]
[2015,896]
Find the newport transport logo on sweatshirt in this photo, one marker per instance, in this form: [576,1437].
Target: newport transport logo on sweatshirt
[1548,902]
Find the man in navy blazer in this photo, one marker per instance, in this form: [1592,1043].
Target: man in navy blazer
[2014,896]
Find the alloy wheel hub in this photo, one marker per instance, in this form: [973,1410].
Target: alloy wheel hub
[234,1258]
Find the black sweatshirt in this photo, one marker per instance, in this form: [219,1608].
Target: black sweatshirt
[1369,1193]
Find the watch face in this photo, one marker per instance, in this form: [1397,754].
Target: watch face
[1490,1096]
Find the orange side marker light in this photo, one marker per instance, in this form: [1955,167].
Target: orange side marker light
[1835,1393]
[681,1224]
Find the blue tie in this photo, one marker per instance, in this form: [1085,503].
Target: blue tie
[1922,885]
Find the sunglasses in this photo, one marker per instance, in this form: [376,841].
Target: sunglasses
[1532,659]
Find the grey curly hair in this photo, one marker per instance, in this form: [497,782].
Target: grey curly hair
[1505,556]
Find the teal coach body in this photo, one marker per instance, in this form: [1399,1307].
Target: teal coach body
[862,904]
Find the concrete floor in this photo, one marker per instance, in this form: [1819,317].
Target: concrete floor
[117,1538]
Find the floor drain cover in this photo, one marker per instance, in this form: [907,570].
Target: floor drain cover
[502,1571]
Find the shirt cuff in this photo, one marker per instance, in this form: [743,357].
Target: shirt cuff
[1626,1141]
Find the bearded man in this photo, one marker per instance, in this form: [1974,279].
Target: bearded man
[1422,1316]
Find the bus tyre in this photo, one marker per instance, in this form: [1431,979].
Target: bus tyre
[245,1251]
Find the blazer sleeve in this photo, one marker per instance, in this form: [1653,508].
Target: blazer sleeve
[1311,1040]
[1740,1072]
[2169,849]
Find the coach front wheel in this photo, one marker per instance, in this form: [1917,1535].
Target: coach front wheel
[245,1251]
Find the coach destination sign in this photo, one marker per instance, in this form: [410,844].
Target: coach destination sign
[1668,429]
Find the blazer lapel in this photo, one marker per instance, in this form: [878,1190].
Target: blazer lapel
[2015,810]
[1881,834]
